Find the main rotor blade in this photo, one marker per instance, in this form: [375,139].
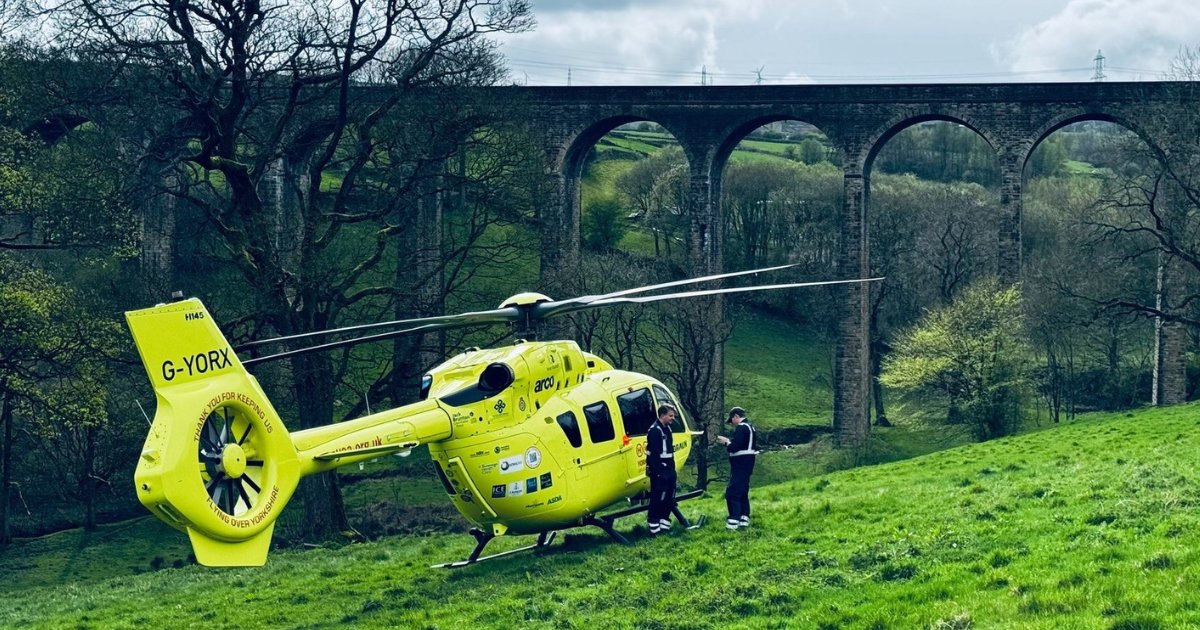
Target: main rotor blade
[550,309]
[493,316]
[688,294]
[369,338]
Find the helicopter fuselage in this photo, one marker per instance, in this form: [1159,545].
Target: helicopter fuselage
[566,439]
[525,438]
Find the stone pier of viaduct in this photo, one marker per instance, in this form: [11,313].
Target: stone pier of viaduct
[858,120]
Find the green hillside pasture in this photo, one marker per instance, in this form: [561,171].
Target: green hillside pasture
[1089,525]
[600,179]
[628,143]
[778,371]
[79,557]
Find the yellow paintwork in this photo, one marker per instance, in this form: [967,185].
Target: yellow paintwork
[504,460]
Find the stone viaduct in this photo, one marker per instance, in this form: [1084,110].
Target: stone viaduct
[709,122]
[858,120]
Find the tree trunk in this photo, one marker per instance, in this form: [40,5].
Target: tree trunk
[877,387]
[701,448]
[5,470]
[324,511]
[1053,385]
[89,485]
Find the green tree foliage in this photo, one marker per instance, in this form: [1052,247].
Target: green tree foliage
[1049,159]
[603,224]
[940,151]
[656,188]
[59,187]
[972,354]
[53,373]
[813,151]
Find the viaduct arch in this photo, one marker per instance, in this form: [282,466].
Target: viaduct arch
[858,119]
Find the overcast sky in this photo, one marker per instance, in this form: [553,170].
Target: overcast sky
[668,42]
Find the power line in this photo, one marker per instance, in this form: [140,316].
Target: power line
[757,77]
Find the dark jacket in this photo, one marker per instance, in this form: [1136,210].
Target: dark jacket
[743,441]
[660,450]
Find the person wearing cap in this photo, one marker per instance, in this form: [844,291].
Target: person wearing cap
[741,464]
[660,468]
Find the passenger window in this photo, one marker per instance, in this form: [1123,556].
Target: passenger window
[571,428]
[599,422]
[679,425]
[637,411]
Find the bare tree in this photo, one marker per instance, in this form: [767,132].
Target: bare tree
[681,341]
[318,104]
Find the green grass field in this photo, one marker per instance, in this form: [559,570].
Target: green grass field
[1088,525]
[789,384]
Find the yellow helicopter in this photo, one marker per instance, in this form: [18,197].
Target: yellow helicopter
[528,438]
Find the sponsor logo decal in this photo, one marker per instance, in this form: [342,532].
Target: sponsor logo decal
[516,488]
[547,481]
[533,457]
[498,491]
[512,464]
[531,485]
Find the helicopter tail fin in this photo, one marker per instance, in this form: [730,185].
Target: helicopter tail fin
[218,462]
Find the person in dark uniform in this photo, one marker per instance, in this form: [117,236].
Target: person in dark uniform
[660,468]
[741,464]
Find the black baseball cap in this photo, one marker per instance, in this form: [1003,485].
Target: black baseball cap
[736,411]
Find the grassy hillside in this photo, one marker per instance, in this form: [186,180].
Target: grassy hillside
[789,385]
[1089,525]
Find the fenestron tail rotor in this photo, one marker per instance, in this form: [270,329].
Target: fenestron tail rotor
[232,472]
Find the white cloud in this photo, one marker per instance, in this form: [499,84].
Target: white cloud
[656,43]
[1138,38]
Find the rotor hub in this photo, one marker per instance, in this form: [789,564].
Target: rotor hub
[233,461]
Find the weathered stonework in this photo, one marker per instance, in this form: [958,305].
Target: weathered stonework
[709,122]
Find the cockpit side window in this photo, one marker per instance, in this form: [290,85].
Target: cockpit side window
[663,396]
[637,411]
[599,421]
[570,427]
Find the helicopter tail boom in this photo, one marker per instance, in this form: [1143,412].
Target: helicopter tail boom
[393,431]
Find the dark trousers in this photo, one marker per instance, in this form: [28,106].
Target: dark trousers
[662,495]
[737,493]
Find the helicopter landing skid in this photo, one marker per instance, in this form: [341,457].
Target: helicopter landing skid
[482,538]
[606,522]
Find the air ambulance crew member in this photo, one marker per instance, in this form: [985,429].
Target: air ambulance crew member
[660,468]
[741,464]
